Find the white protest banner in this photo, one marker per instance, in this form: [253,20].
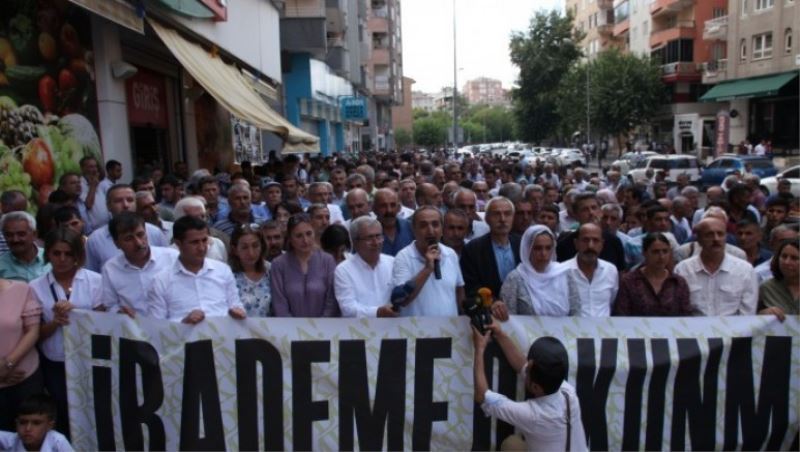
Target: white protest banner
[699,383]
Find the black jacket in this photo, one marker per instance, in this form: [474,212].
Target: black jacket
[613,251]
[479,267]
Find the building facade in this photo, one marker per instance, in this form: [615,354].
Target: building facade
[753,71]
[595,18]
[403,114]
[485,91]
[422,101]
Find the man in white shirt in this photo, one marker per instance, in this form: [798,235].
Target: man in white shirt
[761,148]
[593,282]
[551,420]
[357,202]
[128,276]
[363,283]
[148,209]
[92,196]
[719,284]
[113,175]
[466,200]
[322,193]
[417,264]
[100,246]
[193,206]
[194,287]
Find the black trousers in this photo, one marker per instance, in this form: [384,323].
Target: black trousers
[12,396]
[55,381]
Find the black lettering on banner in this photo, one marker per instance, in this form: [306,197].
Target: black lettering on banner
[101,390]
[637,370]
[133,354]
[200,392]
[657,394]
[506,385]
[305,410]
[426,411]
[390,396]
[687,401]
[249,354]
[773,397]
[593,390]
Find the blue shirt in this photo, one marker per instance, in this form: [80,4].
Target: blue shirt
[403,237]
[227,225]
[13,268]
[504,258]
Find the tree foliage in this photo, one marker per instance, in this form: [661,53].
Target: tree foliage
[543,54]
[402,137]
[625,91]
[430,131]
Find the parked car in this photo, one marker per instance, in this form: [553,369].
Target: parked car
[674,165]
[723,166]
[567,157]
[628,160]
[770,184]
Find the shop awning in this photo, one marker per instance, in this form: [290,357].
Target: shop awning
[226,84]
[750,87]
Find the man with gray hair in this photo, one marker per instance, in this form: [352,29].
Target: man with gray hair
[322,193]
[194,206]
[466,200]
[11,201]
[241,210]
[679,216]
[363,283]
[692,248]
[357,202]
[25,260]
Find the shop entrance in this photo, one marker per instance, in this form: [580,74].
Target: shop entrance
[150,149]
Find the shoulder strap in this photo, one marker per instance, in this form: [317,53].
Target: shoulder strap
[569,421]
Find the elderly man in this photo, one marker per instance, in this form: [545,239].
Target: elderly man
[430,268]
[397,233]
[681,212]
[147,208]
[524,216]
[195,207]
[408,204]
[487,260]
[428,195]
[587,210]
[693,248]
[100,246]
[241,211]
[322,193]
[11,201]
[714,194]
[194,287]
[611,220]
[92,197]
[682,181]
[363,283]
[719,283]
[593,282]
[24,261]
[776,237]
[465,199]
[456,226]
[357,202]
[128,276]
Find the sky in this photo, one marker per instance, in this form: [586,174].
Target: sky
[483,29]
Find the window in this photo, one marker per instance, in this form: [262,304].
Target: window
[743,50]
[744,7]
[764,4]
[762,46]
[787,40]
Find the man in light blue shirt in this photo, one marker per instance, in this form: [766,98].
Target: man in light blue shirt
[24,261]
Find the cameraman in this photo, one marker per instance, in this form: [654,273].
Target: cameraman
[551,420]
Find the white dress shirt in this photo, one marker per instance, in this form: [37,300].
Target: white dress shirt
[125,284]
[100,247]
[592,298]
[479,228]
[53,442]
[361,289]
[437,296]
[176,291]
[336,214]
[732,290]
[104,185]
[98,215]
[764,271]
[87,293]
[406,212]
[166,230]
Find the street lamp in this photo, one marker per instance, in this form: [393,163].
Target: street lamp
[455,84]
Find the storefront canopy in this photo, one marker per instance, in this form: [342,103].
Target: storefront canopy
[750,87]
[228,86]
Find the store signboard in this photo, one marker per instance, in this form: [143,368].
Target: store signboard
[722,135]
[354,108]
[117,11]
[147,99]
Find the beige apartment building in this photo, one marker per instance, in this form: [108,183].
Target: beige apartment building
[403,113]
[754,70]
[485,91]
[596,19]
[384,69]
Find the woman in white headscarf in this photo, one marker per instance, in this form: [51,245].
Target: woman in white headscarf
[538,286]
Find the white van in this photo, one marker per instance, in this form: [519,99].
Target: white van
[672,164]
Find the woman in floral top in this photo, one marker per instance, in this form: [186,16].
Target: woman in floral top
[251,270]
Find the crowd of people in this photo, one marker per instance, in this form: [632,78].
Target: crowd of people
[381,235]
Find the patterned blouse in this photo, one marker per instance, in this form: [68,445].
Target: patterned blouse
[636,297]
[256,296]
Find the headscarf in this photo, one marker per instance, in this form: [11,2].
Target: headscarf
[537,282]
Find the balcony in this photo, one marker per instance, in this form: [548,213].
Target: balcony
[683,29]
[605,4]
[622,28]
[716,29]
[715,70]
[380,56]
[668,7]
[337,23]
[378,25]
[680,72]
[381,85]
[304,9]
[605,23]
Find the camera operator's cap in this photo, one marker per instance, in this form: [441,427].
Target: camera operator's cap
[549,352]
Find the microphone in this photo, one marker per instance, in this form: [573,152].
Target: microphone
[479,311]
[437,269]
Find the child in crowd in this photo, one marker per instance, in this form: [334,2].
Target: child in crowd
[36,419]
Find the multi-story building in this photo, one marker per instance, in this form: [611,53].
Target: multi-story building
[403,114]
[485,91]
[754,69]
[384,69]
[596,19]
[423,101]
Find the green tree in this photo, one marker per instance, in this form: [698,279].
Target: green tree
[402,137]
[543,54]
[429,132]
[625,92]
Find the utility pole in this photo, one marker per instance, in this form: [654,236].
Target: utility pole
[588,122]
[455,84]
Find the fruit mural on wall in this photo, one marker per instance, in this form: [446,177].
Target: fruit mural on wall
[48,106]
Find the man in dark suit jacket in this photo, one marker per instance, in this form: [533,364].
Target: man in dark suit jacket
[587,210]
[481,256]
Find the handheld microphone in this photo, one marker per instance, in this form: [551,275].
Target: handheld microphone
[479,311]
[437,269]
